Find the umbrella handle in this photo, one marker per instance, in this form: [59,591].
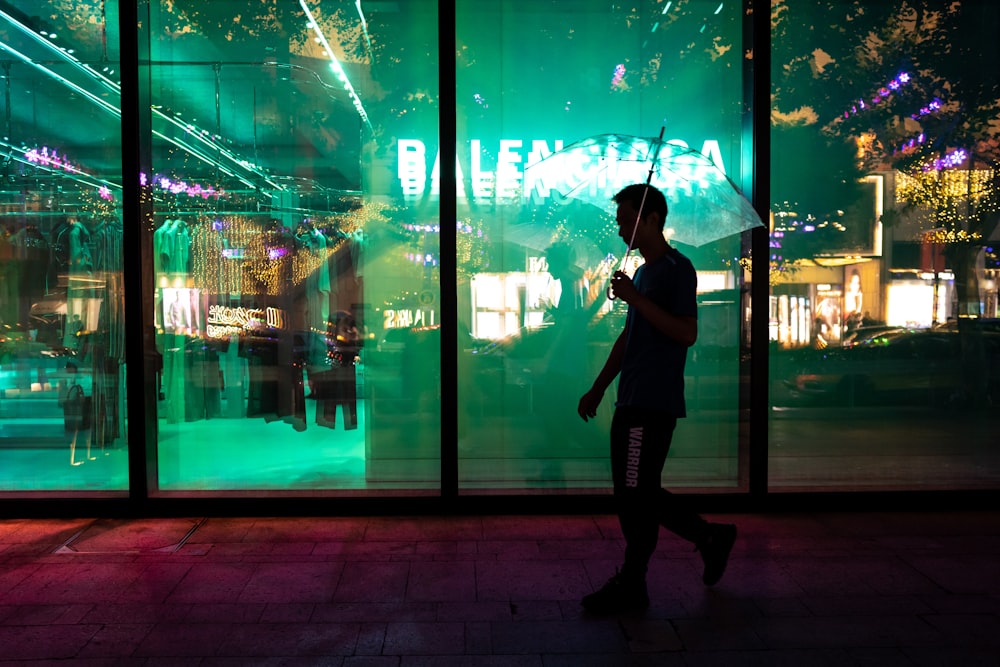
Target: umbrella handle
[610,293]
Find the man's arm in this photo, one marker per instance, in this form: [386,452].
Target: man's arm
[587,407]
[682,329]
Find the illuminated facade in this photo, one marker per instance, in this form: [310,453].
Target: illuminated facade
[241,260]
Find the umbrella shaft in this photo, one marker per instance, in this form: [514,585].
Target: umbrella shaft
[642,205]
[635,228]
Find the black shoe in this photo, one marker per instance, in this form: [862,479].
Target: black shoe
[715,551]
[618,595]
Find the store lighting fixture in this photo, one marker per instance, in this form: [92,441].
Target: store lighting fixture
[209,152]
[364,26]
[335,64]
[110,108]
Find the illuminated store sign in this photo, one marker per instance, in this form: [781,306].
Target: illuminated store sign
[510,179]
[226,321]
[406,318]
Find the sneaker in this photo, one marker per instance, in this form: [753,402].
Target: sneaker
[618,595]
[715,551]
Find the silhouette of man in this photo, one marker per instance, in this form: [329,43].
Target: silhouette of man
[649,357]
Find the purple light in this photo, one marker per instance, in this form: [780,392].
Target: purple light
[47,157]
[881,94]
[277,253]
[931,107]
[911,144]
[426,260]
[105,193]
[181,187]
[619,76]
[953,159]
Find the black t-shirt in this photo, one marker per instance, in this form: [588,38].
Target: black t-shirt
[652,373]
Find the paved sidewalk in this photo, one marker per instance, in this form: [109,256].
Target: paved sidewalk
[802,589]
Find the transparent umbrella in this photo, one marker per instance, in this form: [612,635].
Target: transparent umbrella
[704,204]
[587,249]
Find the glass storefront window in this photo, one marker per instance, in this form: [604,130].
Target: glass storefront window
[295,289]
[535,325]
[884,364]
[62,331]
[292,216]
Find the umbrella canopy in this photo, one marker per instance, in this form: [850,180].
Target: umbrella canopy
[585,250]
[704,204]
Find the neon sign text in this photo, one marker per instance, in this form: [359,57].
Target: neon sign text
[225,321]
[512,177]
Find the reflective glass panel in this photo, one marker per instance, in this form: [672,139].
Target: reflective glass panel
[537,238]
[295,289]
[62,352]
[885,342]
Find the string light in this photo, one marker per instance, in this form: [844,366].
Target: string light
[929,108]
[942,236]
[47,157]
[910,145]
[955,196]
[181,187]
[94,204]
[953,159]
[933,186]
[881,95]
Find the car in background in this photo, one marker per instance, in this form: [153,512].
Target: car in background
[989,324]
[870,334]
[923,367]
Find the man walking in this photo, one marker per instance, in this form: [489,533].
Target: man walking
[649,356]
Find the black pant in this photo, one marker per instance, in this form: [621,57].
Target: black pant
[640,440]
[337,386]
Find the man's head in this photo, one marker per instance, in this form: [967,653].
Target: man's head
[632,197]
[561,258]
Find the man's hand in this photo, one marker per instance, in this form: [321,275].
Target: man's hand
[623,287]
[587,408]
